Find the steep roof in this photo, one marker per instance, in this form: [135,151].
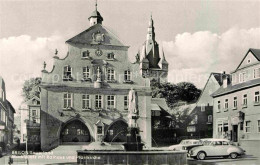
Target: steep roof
[218,77]
[233,88]
[10,106]
[161,102]
[87,37]
[255,52]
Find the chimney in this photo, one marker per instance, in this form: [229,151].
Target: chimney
[225,79]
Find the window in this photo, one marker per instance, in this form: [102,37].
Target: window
[220,128]
[110,55]
[249,61]
[85,54]
[86,73]
[3,115]
[242,77]
[110,102]
[256,72]
[67,97]
[258,125]
[245,99]
[99,130]
[127,76]
[98,101]
[126,100]
[219,106]
[247,126]
[257,97]
[110,74]
[67,74]
[202,108]
[226,104]
[235,103]
[34,113]
[209,118]
[85,101]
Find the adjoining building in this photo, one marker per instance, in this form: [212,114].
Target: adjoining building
[6,119]
[236,103]
[30,122]
[84,98]
[202,114]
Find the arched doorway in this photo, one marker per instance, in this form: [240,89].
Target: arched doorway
[117,132]
[75,131]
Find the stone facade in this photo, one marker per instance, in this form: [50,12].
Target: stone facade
[85,96]
[236,103]
[152,65]
[6,119]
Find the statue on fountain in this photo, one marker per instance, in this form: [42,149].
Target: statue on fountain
[133,142]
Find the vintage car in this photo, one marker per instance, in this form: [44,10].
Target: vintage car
[185,144]
[216,148]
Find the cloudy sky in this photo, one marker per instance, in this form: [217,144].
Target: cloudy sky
[198,37]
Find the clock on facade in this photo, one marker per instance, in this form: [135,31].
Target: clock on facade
[98,52]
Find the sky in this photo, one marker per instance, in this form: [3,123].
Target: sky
[198,37]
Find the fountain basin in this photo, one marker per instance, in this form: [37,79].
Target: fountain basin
[146,157]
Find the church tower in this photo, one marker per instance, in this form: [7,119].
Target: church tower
[152,65]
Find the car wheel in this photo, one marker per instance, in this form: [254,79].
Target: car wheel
[201,155]
[233,155]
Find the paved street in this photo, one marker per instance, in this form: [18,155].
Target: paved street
[66,154]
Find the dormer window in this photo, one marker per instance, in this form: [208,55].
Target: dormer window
[67,74]
[85,54]
[111,56]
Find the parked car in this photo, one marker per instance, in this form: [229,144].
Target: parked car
[185,144]
[216,148]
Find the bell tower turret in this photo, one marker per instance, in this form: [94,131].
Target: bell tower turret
[95,17]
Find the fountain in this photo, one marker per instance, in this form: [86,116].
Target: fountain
[132,152]
[133,142]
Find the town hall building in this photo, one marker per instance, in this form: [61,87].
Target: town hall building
[84,98]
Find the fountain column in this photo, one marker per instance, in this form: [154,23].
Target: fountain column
[133,142]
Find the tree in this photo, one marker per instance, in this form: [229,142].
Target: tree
[31,88]
[183,91]
[188,92]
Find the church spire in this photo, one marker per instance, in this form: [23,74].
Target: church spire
[95,17]
[150,31]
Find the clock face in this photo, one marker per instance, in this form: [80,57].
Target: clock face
[98,52]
